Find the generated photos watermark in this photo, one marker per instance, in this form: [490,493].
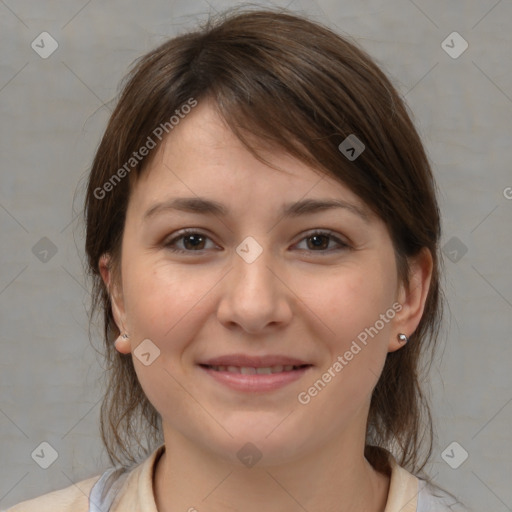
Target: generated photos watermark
[137,156]
[304,397]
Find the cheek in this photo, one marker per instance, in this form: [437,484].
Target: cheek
[356,344]
[351,304]
[162,302]
[165,306]
[351,300]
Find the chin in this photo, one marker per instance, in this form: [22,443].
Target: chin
[266,438]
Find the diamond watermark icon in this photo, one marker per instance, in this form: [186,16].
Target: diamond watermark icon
[454,455]
[352,147]
[454,249]
[249,455]
[249,250]
[44,45]
[146,352]
[454,45]
[44,250]
[44,455]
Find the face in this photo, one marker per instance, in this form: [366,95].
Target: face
[260,303]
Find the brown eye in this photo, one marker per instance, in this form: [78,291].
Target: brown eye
[188,241]
[191,242]
[318,242]
[323,242]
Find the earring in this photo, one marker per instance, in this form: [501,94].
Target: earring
[402,338]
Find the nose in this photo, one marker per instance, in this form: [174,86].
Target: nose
[255,297]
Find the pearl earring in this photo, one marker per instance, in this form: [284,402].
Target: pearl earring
[402,338]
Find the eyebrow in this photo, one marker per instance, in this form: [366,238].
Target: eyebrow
[208,206]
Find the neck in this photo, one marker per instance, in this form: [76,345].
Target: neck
[335,477]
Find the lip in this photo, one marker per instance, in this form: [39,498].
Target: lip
[255,383]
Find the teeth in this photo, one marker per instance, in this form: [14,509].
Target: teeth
[246,370]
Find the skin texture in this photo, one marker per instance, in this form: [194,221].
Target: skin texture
[294,299]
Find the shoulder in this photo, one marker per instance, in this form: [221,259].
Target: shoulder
[118,487]
[434,499]
[74,498]
[411,493]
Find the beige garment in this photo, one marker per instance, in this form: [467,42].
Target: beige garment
[136,494]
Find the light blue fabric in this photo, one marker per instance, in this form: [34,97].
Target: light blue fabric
[105,490]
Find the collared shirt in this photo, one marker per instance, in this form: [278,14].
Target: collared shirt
[118,490]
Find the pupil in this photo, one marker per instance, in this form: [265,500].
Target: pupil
[196,240]
[318,241]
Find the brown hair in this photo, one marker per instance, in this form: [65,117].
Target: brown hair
[293,84]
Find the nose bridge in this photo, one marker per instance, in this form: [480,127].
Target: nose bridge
[253,297]
[253,278]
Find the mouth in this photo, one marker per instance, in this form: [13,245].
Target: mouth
[255,374]
[251,370]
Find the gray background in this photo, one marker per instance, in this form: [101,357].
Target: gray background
[53,112]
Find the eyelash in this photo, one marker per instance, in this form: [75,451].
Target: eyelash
[186,232]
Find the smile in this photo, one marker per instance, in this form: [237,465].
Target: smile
[251,379]
[248,370]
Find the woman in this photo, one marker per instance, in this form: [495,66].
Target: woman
[262,231]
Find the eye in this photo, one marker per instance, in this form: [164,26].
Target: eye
[190,240]
[319,241]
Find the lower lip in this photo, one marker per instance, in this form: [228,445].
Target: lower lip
[256,382]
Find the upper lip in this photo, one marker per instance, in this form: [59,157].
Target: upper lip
[245,361]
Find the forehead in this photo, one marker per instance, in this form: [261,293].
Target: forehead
[201,156]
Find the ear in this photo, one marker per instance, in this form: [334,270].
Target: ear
[116,301]
[412,298]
